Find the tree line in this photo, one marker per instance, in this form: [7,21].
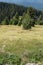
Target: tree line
[12,14]
[8,10]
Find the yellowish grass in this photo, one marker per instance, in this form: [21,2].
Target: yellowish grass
[15,32]
[17,40]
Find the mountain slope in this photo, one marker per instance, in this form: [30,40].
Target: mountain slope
[9,10]
[34,3]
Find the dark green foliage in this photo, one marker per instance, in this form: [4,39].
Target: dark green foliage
[17,15]
[5,21]
[36,56]
[11,22]
[9,10]
[32,22]
[14,20]
[26,22]
[6,58]
[19,23]
[34,12]
[41,22]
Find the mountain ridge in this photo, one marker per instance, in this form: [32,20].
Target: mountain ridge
[29,4]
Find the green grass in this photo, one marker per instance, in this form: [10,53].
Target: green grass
[13,39]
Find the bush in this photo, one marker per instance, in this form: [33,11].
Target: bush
[36,56]
[41,22]
[19,23]
[32,22]
[13,21]
[5,21]
[16,19]
[10,59]
[26,22]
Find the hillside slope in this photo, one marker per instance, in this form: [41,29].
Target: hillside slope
[9,10]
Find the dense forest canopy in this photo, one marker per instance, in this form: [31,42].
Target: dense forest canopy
[9,10]
[10,13]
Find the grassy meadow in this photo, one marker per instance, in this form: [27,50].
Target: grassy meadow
[13,39]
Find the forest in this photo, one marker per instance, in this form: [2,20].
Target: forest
[9,10]
[12,14]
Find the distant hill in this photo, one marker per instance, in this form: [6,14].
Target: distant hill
[9,10]
[38,4]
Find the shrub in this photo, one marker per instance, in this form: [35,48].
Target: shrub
[41,22]
[26,22]
[13,21]
[36,56]
[19,23]
[10,59]
[5,21]
[16,19]
[32,22]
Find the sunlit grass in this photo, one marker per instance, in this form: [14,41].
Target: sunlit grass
[16,40]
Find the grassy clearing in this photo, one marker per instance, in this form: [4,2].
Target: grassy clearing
[15,40]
